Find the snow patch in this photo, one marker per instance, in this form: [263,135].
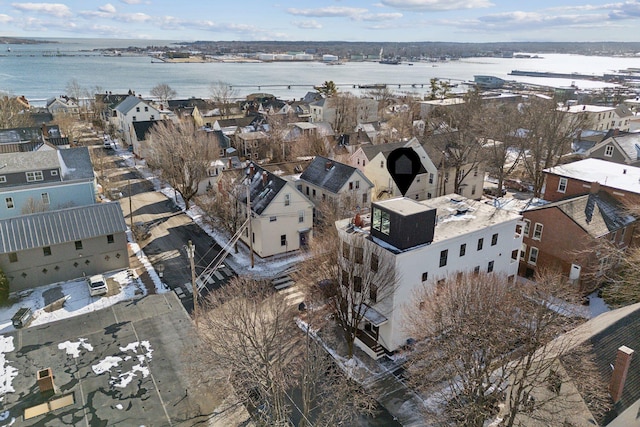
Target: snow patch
[73,348]
[7,372]
[142,353]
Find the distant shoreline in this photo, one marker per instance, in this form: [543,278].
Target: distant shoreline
[17,40]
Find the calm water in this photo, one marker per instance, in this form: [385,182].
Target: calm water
[36,71]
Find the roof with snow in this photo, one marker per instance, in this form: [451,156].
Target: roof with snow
[629,143]
[330,175]
[65,225]
[597,214]
[608,174]
[265,186]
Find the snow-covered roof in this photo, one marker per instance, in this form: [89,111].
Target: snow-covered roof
[608,174]
[587,108]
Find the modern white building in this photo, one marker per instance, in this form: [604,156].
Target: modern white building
[428,241]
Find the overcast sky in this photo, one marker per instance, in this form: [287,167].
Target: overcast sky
[349,20]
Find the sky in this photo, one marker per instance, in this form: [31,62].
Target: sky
[327,20]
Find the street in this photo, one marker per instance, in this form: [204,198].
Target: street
[169,230]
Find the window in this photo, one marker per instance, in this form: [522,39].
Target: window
[475,171]
[137,109]
[350,185]
[480,243]
[425,276]
[273,218]
[152,117]
[9,201]
[533,255]
[463,249]
[45,198]
[54,173]
[428,195]
[523,251]
[527,226]
[46,251]
[357,184]
[562,185]
[490,267]
[476,269]
[537,231]
[110,238]
[287,199]
[3,179]
[357,284]
[364,198]
[494,239]
[78,244]
[358,255]
[374,263]
[373,293]
[283,240]
[300,216]
[346,250]
[381,221]
[382,163]
[345,278]
[473,190]
[430,178]
[443,257]
[34,176]
[313,192]
[608,150]
[135,119]
[13,257]
[146,109]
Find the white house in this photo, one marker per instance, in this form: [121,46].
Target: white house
[132,109]
[601,117]
[372,160]
[428,241]
[281,217]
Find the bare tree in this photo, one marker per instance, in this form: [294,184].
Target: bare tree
[223,94]
[483,341]
[13,114]
[163,92]
[222,207]
[69,125]
[345,119]
[546,136]
[249,336]
[350,274]
[182,155]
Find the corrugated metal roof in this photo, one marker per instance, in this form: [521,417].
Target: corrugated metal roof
[56,227]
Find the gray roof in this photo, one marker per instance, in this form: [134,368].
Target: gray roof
[129,102]
[265,186]
[74,163]
[61,226]
[329,174]
[596,213]
[628,142]
[373,150]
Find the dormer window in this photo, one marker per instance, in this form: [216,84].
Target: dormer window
[34,176]
[608,150]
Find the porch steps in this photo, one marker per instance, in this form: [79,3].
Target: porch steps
[292,296]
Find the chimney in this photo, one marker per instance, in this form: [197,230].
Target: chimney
[328,165]
[595,187]
[45,131]
[265,176]
[45,381]
[624,171]
[616,131]
[623,360]
[230,163]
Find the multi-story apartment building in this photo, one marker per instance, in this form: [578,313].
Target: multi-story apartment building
[427,242]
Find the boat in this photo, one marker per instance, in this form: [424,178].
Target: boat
[389,61]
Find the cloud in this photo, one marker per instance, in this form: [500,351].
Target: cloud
[131,1]
[107,8]
[436,4]
[329,12]
[308,25]
[380,16]
[55,9]
[133,17]
[5,19]
[626,10]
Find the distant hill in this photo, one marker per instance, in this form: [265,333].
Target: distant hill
[15,40]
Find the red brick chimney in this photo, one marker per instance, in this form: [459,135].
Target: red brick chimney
[595,187]
[623,360]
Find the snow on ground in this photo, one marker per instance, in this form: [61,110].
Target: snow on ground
[241,261]
[112,364]
[7,372]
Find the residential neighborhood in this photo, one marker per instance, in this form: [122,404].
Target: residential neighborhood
[202,215]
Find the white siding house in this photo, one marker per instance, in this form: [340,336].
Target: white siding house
[429,241]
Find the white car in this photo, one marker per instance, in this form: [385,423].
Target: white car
[97,285]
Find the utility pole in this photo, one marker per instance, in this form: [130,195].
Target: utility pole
[249,215]
[130,209]
[191,252]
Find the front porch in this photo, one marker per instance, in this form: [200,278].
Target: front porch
[369,344]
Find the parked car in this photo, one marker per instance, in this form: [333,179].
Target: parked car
[22,317]
[97,285]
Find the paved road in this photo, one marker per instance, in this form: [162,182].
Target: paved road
[169,231]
